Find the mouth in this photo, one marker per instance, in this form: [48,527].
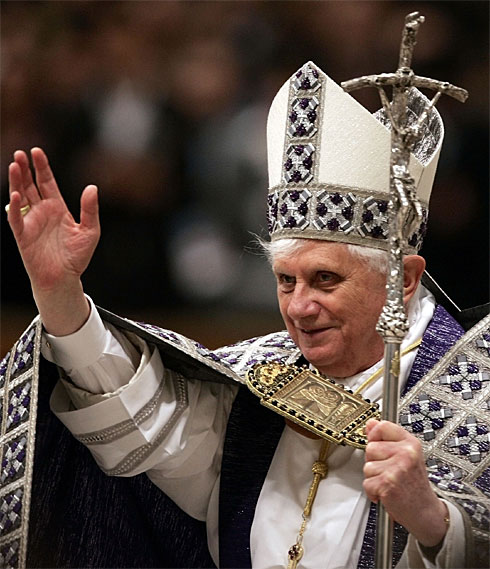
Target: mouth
[313,331]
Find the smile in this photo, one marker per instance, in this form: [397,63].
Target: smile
[313,331]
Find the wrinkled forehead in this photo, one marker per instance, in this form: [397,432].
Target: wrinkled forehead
[311,252]
[311,256]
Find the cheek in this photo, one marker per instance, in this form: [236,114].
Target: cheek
[375,304]
[364,310]
[283,307]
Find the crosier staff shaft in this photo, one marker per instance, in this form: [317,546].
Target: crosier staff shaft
[404,214]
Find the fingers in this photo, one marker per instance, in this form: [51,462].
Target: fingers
[15,179]
[48,188]
[89,208]
[16,184]
[20,177]
[379,451]
[370,425]
[384,431]
[29,189]
[23,190]
[14,215]
[385,439]
[385,475]
[388,439]
[381,485]
[373,468]
[17,199]
[394,460]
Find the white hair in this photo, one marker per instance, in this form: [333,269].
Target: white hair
[376,258]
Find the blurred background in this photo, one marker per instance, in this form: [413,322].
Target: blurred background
[163,105]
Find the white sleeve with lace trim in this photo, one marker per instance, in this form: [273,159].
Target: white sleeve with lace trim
[98,358]
[149,419]
[450,556]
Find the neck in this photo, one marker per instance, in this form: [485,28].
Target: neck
[338,375]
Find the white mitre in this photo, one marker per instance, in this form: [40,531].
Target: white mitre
[329,163]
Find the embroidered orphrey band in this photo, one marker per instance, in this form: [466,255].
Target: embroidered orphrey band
[19,373]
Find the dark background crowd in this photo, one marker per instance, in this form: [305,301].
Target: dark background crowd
[163,105]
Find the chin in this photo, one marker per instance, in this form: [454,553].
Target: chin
[322,362]
[328,362]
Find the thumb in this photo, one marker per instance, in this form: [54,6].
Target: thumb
[371,429]
[89,208]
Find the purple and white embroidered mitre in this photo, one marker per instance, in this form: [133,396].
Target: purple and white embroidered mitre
[328,160]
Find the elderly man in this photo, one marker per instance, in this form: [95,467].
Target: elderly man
[148,400]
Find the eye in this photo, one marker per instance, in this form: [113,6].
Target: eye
[327,278]
[286,282]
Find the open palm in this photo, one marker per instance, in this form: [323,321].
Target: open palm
[54,247]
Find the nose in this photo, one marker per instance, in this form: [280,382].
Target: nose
[302,304]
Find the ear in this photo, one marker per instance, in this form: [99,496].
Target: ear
[414,266]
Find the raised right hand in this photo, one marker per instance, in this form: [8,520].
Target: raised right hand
[55,249]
